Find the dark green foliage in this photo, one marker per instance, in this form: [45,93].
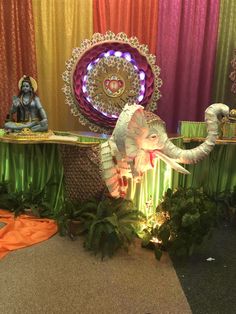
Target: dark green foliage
[158,253]
[191,217]
[108,224]
[187,217]
[114,226]
[226,204]
[27,202]
[74,217]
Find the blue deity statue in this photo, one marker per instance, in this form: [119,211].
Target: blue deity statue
[27,109]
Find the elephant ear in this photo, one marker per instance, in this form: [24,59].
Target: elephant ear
[131,129]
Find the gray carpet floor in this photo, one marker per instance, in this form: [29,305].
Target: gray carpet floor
[59,276]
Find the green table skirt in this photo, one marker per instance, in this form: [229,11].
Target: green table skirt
[216,173]
[33,167]
[39,166]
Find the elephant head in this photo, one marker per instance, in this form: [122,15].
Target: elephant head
[140,136]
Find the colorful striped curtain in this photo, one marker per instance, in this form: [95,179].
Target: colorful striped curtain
[193,40]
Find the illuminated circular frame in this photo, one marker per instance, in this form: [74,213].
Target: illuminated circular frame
[105,73]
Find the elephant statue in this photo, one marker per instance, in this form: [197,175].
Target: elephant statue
[137,139]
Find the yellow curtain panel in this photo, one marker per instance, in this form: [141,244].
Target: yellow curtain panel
[60,26]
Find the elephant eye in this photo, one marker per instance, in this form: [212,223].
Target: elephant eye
[153,136]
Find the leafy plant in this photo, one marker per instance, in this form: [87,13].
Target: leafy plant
[74,217]
[29,202]
[113,226]
[186,218]
[226,204]
[108,224]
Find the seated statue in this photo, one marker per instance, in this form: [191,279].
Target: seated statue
[27,108]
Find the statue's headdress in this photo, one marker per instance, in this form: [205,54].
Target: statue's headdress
[29,79]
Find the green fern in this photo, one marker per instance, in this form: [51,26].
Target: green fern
[31,201]
[113,227]
[108,224]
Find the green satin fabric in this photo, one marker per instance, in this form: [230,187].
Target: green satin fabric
[33,166]
[216,173]
[149,193]
[83,139]
[39,165]
[229,130]
[225,51]
[193,129]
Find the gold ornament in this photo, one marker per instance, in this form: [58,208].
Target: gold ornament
[28,134]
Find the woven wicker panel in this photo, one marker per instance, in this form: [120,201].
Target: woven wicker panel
[82,172]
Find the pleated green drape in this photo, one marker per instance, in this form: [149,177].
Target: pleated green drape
[225,51]
[216,173]
[147,194]
[33,167]
[39,167]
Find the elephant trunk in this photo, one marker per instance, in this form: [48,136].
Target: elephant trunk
[191,156]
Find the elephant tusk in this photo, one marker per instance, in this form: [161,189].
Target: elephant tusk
[171,162]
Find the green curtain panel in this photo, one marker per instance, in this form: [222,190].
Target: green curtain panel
[225,51]
[33,166]
[214,174]
[193,129]
[149,193]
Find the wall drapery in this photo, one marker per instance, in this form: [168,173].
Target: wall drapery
[225,50]
[59,27]
[135,18]
[187,34]
[183,35]
[17,49]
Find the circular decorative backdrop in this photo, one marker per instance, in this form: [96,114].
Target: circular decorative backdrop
[107,72]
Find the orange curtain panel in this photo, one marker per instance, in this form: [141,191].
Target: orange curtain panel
[17,49]
[134,17]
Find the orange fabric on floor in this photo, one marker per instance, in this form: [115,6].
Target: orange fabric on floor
[23,231]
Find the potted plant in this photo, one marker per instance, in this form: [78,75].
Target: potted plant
[113,226]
